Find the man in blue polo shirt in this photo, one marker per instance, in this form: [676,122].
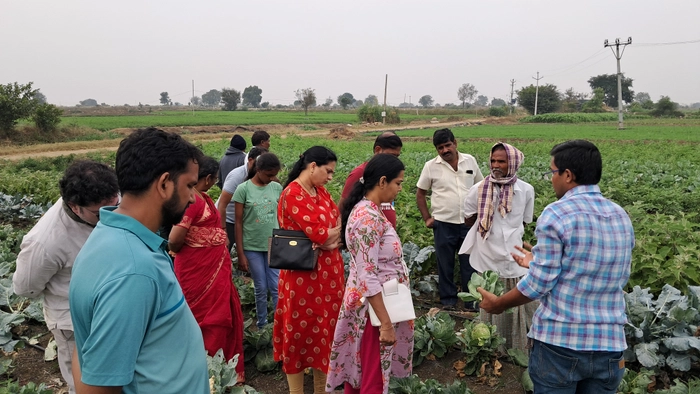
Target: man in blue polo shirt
[134,331]
[578,271]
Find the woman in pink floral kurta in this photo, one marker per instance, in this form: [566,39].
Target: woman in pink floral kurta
[377,258]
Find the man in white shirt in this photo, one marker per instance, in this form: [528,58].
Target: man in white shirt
[449,176]
[45,261]
[501,205]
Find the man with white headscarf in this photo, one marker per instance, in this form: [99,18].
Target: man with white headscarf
[501,204]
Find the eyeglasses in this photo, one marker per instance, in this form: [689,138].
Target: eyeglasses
[547,176]
[94,212]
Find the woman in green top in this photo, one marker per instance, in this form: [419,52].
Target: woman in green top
[256,216]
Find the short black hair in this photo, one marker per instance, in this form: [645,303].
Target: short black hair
[388,141]
[147,154]
[259,136]
[580,157]
[208,166]
[255,152]
[442,136]
[87,182]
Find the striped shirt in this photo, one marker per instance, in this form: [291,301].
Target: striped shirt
[581,264]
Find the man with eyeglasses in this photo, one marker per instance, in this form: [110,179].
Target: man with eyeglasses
[500,206]
[578,271]
[45,261]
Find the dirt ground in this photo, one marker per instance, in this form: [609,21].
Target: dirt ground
[31,367]
[12,152]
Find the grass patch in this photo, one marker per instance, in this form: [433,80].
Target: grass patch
[647,129]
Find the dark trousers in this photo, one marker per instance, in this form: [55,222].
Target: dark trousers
[448,240]
[231,234]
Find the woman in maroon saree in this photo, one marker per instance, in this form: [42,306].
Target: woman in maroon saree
[203,268]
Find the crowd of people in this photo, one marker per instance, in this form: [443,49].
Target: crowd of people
[141,312]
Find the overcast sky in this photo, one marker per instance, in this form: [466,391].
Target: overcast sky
[128,51]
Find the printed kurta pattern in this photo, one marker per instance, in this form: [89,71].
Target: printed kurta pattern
[377,258]
[309,301]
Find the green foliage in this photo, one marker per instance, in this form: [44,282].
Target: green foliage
[595,104]
[231,99]
[661,333]
[518,357]
[165,99]
[257,347]
[666,107]
[369,113]
[498,111]
[635,382]
[418,261]
[667,249]
[434,336]
[346,99]
[246,290]
[480,342]
[223,376]
[496,102]
[426,101]
[47,117]
[306,98]
[16,102]
[693,387]
[414,385]
[392,116]
[252,96]
[608,82]
[571,118]
[29,388]
[211,98]
[487,280]
[548,98]
[466,93]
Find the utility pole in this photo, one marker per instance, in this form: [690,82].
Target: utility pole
[618,56]
[512,83]
[537,89]
[386,82]
[192,99]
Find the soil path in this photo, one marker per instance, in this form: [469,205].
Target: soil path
[209,133]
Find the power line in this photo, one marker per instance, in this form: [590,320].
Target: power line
[654,44]
[564,68]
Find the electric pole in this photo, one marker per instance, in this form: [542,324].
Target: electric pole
[618,56]
[512,83]
[192,99]
[537,89]
[386,82]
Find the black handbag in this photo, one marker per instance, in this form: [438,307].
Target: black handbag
[291,250]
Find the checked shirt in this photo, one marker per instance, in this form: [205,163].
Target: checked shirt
[580,267]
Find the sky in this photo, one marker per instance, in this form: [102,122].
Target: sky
[128,51]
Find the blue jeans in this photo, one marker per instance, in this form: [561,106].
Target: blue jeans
[558,370]
[264,280]
[448,240]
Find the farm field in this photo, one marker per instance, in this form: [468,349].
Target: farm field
[652,169]
[209,118]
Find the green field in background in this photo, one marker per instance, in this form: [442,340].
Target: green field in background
[214,118]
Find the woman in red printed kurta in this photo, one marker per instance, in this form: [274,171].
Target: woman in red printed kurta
[203,269]
[309,301]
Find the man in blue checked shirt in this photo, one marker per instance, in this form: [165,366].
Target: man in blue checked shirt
[578,270]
